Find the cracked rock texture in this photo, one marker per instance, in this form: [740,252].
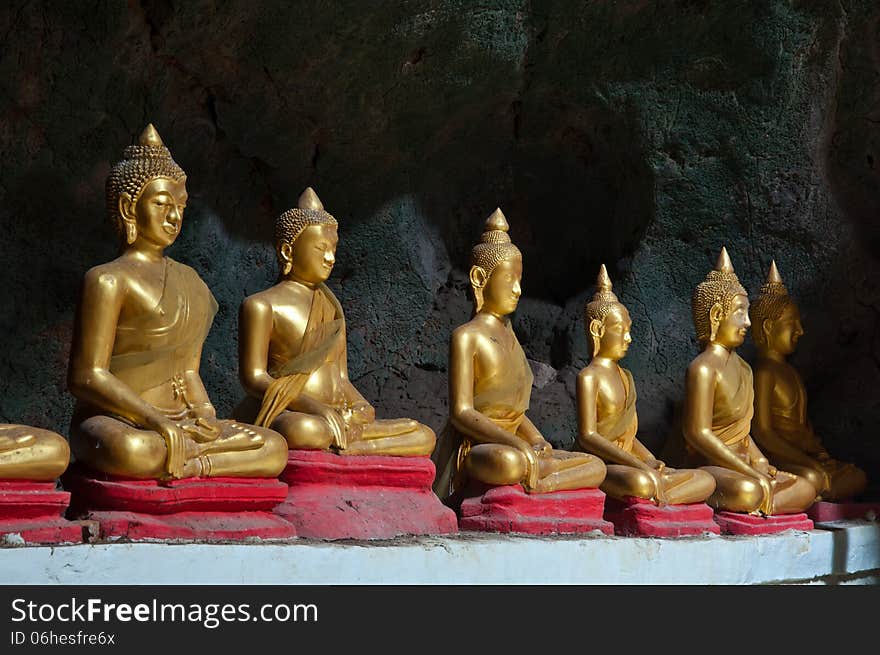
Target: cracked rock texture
[640,134]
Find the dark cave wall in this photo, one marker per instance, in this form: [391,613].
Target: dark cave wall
[640,134]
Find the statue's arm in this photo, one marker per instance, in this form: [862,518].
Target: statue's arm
[254,333]
[89,377]
[762,423]
[587,389]
[700,396]
[354,397]
[196,394]
[462,414]
[530,432]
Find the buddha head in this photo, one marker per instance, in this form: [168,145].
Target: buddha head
[776,321]
[720,306]
[146,192]
[305,240]
[607,321]
[496,271]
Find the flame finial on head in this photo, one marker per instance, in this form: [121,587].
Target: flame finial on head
[603,281]
[724,265]
[308,199]
[150,137]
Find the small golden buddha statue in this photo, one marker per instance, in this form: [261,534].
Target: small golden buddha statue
[293,353]
[142,409]
[780,425]
[607,420]
[719,406]
[28,453]
[489,438]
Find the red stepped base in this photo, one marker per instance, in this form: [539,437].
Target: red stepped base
[824,511]
[362,497]
[510,509]
[31,513]
[193,509]
[746,524]
[638,517]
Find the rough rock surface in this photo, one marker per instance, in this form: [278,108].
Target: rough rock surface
[639,134]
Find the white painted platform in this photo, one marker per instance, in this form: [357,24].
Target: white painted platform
[837,553]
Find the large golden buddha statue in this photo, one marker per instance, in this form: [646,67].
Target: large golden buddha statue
[489,438]
[293,354]
[142,409]
[719,406]
[28,453]
[607,420]
[780,425]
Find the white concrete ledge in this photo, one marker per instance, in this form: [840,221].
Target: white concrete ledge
[842,552]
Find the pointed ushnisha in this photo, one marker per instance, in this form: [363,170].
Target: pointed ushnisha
[724,265]
[308,199]
[497,221]
[150,137]
[603,282]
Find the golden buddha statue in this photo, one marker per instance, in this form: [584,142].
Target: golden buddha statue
[489,438]
[28,453]
[293,354]
[607,420]
[719,406]
[781,426]
[142,409]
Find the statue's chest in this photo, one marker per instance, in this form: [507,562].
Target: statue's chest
[290,319]
[612,394]
[788,389]
[499,355]
[730,381]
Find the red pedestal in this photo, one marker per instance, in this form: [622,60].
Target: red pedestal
[194,509]
[823,511]
[362,497]
[31,513]
[638,517]
[746,524]
[510,509]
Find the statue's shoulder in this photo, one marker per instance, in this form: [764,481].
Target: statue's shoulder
[707,363]
[468,331]
[109,275]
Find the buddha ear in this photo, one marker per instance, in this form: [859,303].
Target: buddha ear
[716,312]
[285,253]
[128,216]
[597,330]
[478,277]
[766,329]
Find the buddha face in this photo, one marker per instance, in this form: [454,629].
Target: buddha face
[503,289]
[157,216]
[613,333]
[312,254]
[731,327]
[782,334]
